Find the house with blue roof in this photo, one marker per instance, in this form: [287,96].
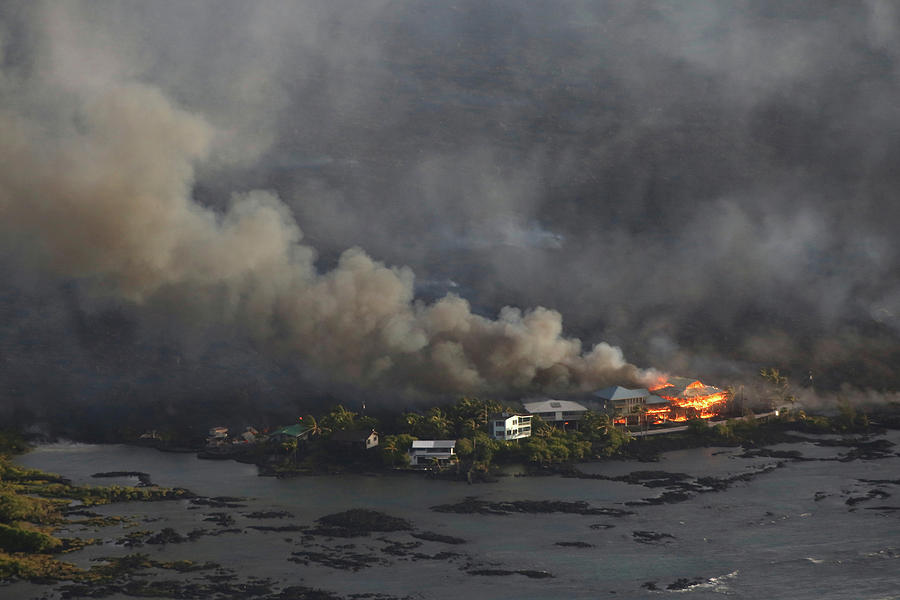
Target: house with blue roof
[628,404]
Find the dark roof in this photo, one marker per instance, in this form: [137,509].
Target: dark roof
[618,392]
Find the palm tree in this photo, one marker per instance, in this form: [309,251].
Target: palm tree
[413,422]
[782,392]
[339,419]
[439,423]
[540,428]
[312,425]
[641,411]
[484,412]
[389,448]
[468,427]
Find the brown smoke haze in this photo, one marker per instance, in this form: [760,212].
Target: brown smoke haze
[105,197]
[203,201]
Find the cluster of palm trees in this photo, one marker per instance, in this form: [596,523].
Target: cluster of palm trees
[339,419]
[466,421]
[461,419]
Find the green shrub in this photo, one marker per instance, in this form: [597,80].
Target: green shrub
[11,442]
[17,539]
[15,507]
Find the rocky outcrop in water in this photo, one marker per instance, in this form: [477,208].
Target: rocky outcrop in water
[143,478]
[472,505]
[437,537]
[651,537]
[533,574]
[358,522]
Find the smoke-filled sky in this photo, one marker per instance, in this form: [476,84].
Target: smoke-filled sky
[307,200]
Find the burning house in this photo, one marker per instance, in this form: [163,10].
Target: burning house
[674,399]
[633,406]
[689,398]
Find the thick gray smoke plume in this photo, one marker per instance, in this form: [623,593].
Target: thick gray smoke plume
[99,189]
[709,186]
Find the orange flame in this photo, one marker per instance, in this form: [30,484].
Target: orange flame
[661,382]
[687,399]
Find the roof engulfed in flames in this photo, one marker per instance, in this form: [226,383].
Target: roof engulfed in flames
[690,398]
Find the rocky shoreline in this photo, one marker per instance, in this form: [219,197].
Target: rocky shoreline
[359,539]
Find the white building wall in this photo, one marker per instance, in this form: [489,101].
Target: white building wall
[423,452]
[513,427]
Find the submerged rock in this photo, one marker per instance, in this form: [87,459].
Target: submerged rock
[269,514]
[166,536]
[854,500]
[220,518]
[218,502]
[279,528]
[358,522]
[651,537]
[504,572]
[574,544]
[472,505]
[143,478]
[430,536]
[683,583]
[334,559]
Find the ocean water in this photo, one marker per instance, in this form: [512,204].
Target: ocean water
[786,532]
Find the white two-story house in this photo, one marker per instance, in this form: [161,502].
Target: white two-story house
[426,453]
[509,426]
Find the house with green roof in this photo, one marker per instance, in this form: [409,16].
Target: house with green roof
[298,431]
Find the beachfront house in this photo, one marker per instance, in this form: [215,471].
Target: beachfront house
[622,400]
[217,436]
[298,432]
[249,436]
[562,413]
[428,453]
[633,406]
[509,426]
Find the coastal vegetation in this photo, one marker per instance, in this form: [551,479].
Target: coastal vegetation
[549,447]
[315,443]
[34,504]
[465,421]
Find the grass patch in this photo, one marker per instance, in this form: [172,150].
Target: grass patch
[32,505]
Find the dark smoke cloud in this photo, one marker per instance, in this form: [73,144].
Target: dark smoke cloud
[101,192]
[707,185]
